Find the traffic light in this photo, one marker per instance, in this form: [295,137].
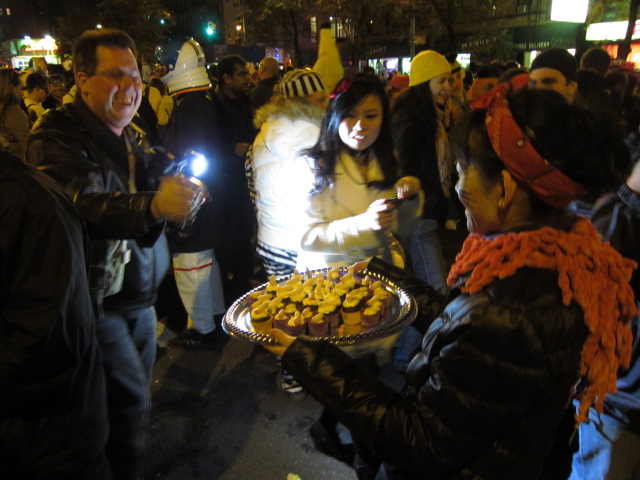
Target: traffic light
[211,30]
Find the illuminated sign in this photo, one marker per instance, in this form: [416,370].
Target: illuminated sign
[611,31]
[40,45]
[574,11]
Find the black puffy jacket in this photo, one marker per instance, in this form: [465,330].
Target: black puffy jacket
[78,150]
[484,395]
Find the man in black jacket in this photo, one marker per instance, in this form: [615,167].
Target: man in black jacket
[94,151]
[234,114]
[53,408]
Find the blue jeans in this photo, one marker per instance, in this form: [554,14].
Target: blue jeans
[128,345]
[428,264]
[425,254]
[612,453]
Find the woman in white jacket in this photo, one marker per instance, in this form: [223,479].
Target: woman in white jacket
[281,179]
[355,173]
[352,216]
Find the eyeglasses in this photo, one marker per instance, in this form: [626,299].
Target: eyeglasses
[116,76]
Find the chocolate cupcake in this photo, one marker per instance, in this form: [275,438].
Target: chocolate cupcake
[318,326]
[331,313]
[351,310]
[295,325]
[371,315]
[260,319]
[280,319]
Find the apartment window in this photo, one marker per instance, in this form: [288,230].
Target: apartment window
[240,28]
[313,29]
[338,27]
[523,7]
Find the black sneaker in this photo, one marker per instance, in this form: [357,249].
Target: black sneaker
[191,338]
[329,443]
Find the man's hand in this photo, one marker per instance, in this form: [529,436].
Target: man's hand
[175,200]
[282,338]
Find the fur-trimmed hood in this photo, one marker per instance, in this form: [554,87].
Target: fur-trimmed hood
[291,109]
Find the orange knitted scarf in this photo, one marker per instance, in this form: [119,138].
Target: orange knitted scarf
[590,272]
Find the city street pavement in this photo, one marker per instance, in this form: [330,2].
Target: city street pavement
[218,415]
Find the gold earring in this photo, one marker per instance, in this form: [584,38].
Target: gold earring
[500,204]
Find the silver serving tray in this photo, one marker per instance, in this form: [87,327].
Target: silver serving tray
[402,312]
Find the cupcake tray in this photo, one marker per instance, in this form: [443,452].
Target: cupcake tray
[402,312]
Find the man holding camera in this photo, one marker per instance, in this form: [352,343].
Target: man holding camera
[92,148]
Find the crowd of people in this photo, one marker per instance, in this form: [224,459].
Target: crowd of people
[116,174]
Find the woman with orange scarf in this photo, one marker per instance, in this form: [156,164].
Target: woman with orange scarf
[538,314]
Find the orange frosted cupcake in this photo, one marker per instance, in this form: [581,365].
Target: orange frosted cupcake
[295,325]
[290,309]
[280,319]
[351,310]
[371,315]
[297,296]
[260,319]
[272,286]
[331,313]
[318,326]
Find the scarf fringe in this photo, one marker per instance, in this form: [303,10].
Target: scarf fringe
[590,272]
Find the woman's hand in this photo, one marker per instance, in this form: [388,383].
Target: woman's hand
[282,338]
[407,187]
[379,215]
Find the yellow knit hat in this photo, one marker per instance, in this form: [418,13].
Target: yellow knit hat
[426,65]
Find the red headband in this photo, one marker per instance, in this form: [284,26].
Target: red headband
[514,148]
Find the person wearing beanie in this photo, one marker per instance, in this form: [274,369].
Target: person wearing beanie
[555,69]
[193,127]
[420,119]
[279,180]
[398,83]
[328,65]
[419,123]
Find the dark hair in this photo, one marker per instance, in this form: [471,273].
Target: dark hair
[570,138]
[9,80]
[329,145]
[418,105]
[36,80]
[227,65]
[84,50]
[595,59]
[159,84]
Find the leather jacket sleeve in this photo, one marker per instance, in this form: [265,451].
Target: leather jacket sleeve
[429,301]
[483,380]
[74,163]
